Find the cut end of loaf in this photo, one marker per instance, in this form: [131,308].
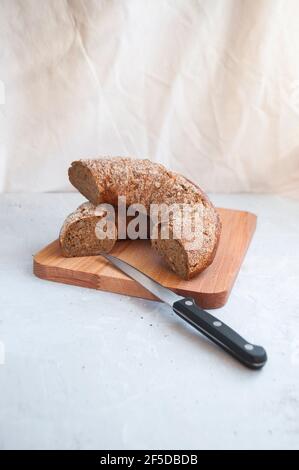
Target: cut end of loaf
[179,260]
[82,179]
[80,239]
[174,256]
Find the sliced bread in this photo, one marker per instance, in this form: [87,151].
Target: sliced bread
[144,182]
[80,233]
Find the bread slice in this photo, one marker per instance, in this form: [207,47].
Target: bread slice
[145,182]
[194,250]
[79,235]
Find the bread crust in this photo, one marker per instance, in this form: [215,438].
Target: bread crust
[145,182]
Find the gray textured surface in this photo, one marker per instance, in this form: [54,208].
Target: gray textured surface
[87,369]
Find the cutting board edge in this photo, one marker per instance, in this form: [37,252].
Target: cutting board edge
[129,287]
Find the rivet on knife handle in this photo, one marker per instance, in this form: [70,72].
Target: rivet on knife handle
[249,354]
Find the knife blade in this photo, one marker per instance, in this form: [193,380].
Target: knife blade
[251,355]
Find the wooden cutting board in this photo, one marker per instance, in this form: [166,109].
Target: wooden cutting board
[210,289]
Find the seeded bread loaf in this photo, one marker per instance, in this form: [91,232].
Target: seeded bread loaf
[145,182]
[78,235]
[140,181]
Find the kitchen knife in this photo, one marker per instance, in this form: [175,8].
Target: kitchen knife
[249,354]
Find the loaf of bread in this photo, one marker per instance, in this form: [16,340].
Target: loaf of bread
[194,249]
[144,182]
[79,235]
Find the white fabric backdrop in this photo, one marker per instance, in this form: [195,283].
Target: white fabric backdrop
[208,87]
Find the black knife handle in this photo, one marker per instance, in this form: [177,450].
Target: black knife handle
[249,354]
